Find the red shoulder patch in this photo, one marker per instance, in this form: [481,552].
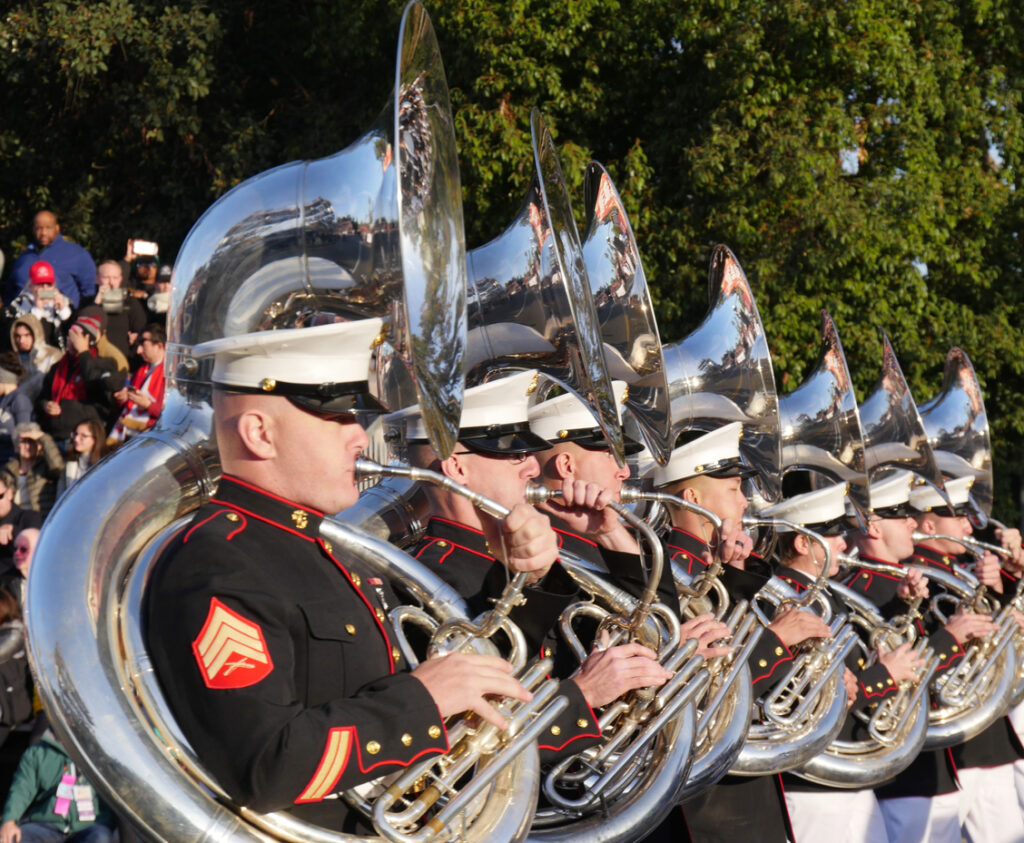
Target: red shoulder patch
[230,650]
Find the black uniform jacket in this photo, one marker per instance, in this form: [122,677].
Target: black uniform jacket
[458,554]
[737,807]
[933,772]
[769,655]
[276,661]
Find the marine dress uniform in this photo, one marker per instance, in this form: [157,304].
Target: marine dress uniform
[271,648]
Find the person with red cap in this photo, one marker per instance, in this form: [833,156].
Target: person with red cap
[42,299]
[73,266]
[80,385]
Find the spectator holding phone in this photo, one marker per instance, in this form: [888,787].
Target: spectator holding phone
[42,299]
[143,399]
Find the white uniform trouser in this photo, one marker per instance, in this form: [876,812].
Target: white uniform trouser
[1017,719]
[916,819]
[837,816]
[989,811]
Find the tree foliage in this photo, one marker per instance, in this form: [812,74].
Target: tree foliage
[862,157]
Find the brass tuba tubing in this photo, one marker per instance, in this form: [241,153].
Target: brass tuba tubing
[976,547]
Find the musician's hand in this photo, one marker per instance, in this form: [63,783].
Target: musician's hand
[914,584]
[527,542]
[734,546]
[850,683]
[795,625]
[584,507]
[1018,618]
[707,631]
[964,626]
[609,672]
[1010,539]
[902,663]
[987,570]
[461,682]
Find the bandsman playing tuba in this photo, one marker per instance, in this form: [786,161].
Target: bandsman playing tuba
[273,650]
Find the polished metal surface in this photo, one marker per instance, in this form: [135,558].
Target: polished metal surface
[529,299]
[820,424]
[373,230]
[894,435]
[722,372]
[625,312]
[957,427]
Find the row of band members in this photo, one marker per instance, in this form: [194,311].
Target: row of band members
[278,662]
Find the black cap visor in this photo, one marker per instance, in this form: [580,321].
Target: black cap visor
[503,439]
[324,399]
[594,439]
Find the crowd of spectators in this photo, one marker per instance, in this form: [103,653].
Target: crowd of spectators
[82,348]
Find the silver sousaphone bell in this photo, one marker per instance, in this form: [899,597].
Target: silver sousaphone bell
[722,372]
[820,423]
[625,312]
[530,305]
[957,427]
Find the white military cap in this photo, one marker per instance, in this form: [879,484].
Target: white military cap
[323,368]
[567,418]
[495,417]
[821,508]
[890,495]
[716,454]
[925,498]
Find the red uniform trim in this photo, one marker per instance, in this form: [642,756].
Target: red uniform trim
[290,503]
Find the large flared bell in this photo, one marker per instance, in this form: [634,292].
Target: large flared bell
[820,423]
[530,305]
[722,372]
[375,230]
[625,312]
[957,427]
[894,435]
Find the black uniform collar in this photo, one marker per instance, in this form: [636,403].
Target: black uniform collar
[894,565]
[798,579]
[458,534]
[273,509]
[934,557]
[686,542]
[574,543]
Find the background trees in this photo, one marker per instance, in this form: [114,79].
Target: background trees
[862,157]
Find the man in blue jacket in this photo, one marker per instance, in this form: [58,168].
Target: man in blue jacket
[75,268]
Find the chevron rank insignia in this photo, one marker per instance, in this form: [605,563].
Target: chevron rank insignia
[230,650]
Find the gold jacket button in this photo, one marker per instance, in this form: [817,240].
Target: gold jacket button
[762,663]
[442,543]
[232,516]
[406,739]
[956,649]
[380,614]
[328,546]
[357,580]
[396,654]
[582,723]
[434,732]
[547,652]
[942,657]
[350,629]
[556,730]
[373,747]
[778,651]
[888,681]
[880,686]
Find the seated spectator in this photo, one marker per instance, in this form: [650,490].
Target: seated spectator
[143,401]
[15,679]
[50,800]
[13,522]
[73,265]
[37,467]
[37,357]
[104,346]
[15,402]
[158,303]
[126,317]
[24,546]
[43,300]
[88,446]
[80,386]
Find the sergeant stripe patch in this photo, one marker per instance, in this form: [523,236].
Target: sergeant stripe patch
[230,650]
[332,765]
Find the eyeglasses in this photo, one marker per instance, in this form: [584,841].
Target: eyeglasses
[21,549]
